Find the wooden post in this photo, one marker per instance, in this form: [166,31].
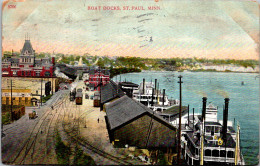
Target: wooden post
[156,156]
[189,115]
[41,91]
[193,118]
[179,134]
[12,118]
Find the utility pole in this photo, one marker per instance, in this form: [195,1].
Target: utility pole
[179,134]
[12,118]
[188,115]
[52,85]
[41,91]
[101,82]
[193,118]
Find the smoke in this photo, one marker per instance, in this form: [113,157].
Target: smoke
[222,93]
[201,93]
[73,86]
[60,74]
[198,92]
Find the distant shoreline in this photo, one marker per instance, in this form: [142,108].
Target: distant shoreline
[180,71]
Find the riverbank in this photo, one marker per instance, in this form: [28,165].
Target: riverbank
[198,70]
[123,70]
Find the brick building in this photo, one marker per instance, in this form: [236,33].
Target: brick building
[27,65]
[96,76]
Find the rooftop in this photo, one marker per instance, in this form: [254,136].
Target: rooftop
[27,48]
[128,84]
[110,91]
[174,110]
[126,109]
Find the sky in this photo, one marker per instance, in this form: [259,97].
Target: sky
[180,28]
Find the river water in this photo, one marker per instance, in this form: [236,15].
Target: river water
[243,105]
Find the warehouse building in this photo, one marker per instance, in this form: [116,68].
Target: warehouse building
[110,92]
[133,124]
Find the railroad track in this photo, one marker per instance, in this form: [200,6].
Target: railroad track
[49,130]
[27,147]
[83,143]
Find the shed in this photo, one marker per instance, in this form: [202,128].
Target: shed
[109,92]
[128,88]
[172,113]
[130,122]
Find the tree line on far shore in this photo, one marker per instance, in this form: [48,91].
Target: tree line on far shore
[137,63]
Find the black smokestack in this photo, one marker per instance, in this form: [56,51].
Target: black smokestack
[152,97]
[204,102]
[225,118]
[163,96]
[143,84]
[155,82]
[193,118]
[189,115]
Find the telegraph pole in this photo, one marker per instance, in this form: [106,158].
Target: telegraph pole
[52,85]
[12,101]
[193,118]
[179,134]
[41,91]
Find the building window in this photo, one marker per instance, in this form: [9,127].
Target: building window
[217,129]
[207,152]
[47,74]
[215,153]
[208,129]
[222,153]
[230,154]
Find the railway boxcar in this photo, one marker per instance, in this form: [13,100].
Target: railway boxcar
[79,97]
[96,101]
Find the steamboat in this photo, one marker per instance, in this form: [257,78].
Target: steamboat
[209,141]
[149,94]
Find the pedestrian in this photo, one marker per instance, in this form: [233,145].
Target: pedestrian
[52,107]
[98,120]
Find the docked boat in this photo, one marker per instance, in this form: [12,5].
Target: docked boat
[209,141]
[149,95]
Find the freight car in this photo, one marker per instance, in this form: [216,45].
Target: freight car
[79,97]
[96,101]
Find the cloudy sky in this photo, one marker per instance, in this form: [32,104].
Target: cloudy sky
[201,28]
